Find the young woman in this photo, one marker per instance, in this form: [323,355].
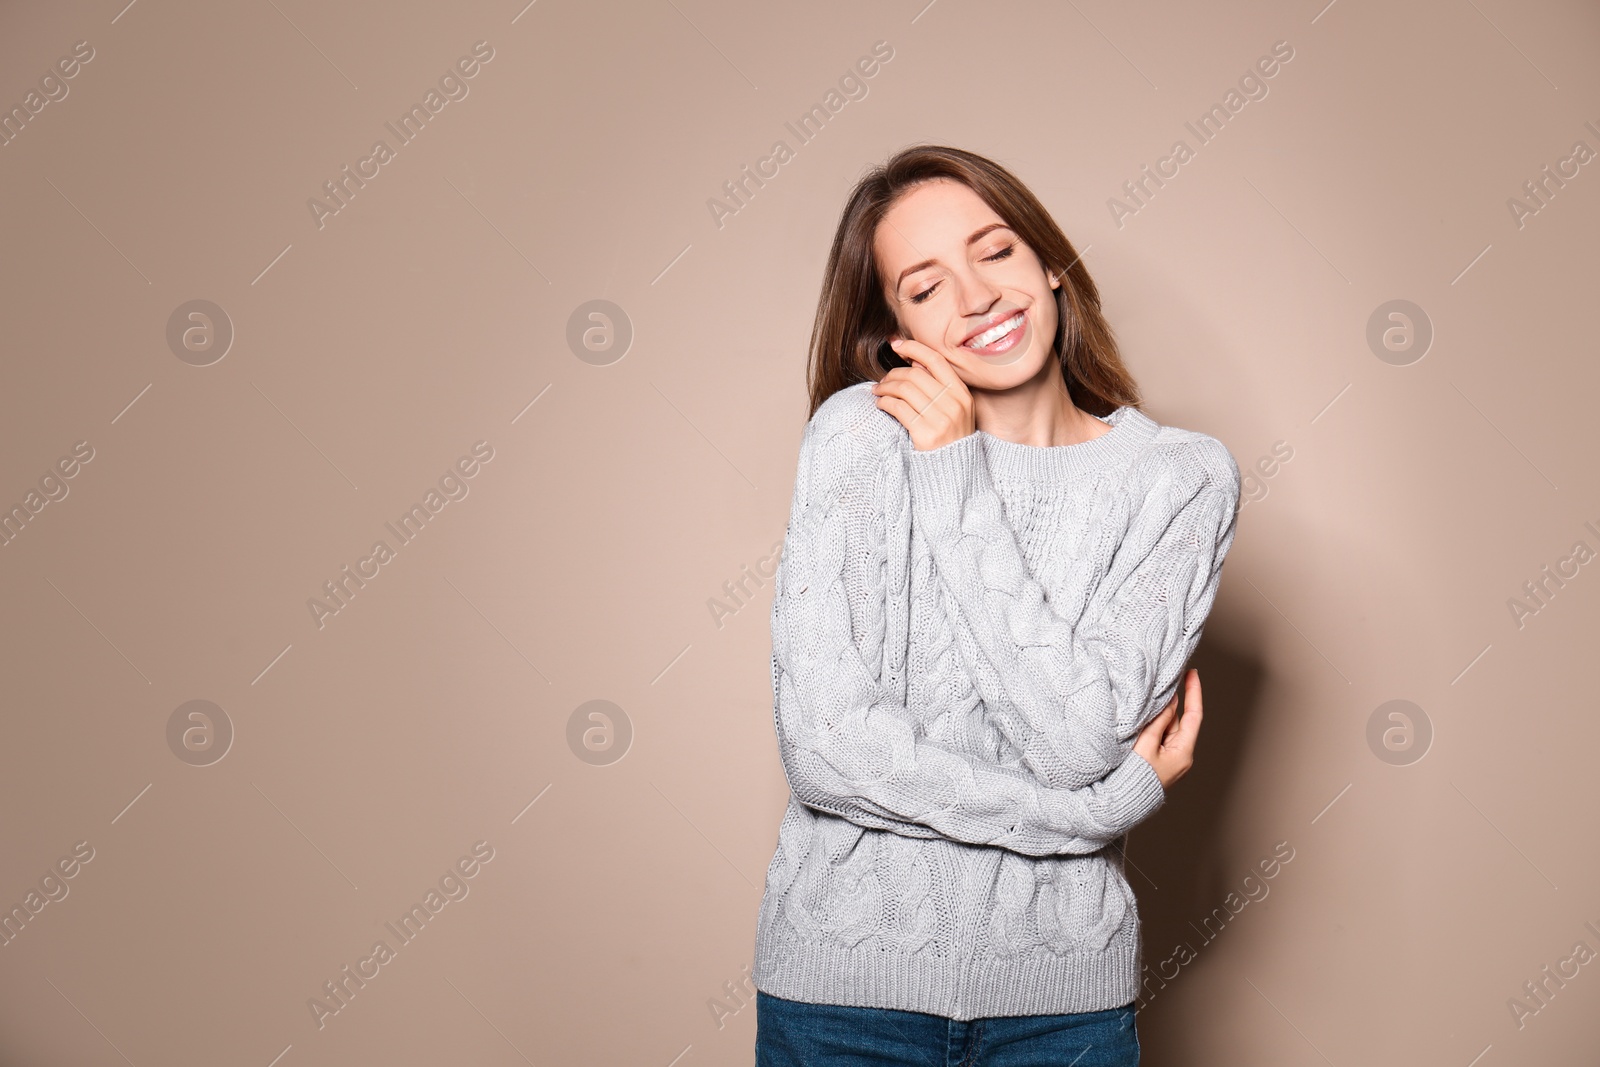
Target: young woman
[995,569]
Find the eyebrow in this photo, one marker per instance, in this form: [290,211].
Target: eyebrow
[977,235]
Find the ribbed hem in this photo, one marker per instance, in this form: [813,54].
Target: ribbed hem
[1046,983]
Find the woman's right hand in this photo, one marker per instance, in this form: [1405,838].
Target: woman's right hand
[1167,747]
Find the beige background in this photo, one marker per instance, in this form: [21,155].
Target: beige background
[370,754]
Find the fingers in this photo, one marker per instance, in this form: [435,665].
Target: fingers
[931,359]
[1186,734]
[932,374]
[1157,727]
[1148,743]
[1192,704]
[1168,744]
[911,386]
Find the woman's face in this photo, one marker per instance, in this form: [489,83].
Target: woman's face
[956,275]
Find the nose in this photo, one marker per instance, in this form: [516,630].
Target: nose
[975,294]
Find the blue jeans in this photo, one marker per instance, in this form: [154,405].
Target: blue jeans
[790,1033]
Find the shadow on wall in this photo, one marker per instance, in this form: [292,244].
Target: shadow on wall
[1176,861]
[1379,624]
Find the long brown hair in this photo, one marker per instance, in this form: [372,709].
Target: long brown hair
[853,318]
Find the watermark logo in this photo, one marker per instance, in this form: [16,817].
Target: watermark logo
[53,487]
[452,84]
[738,192]
[1543,189]
[599,732]
[199,332]
[52,90]
[199,732]
[599,332]
[1399,732]
[1254,889]
[1539,992]
[1253,482]
[738,994]
[1252,86]
[1399,332]
[738,593]
[452,886]
[452,485]
[52,889]
[1538,592]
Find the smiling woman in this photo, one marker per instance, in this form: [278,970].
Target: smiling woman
[1012,243]
[995,570]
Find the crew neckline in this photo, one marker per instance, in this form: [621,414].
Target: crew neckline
[1131,429]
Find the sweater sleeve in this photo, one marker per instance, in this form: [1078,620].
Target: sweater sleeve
[1073,694]
[848,746]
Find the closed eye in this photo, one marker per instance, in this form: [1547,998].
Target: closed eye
[1002,254]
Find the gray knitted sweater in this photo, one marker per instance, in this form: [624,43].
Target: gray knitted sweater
[966,642]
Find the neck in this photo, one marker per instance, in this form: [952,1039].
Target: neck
[1038,412]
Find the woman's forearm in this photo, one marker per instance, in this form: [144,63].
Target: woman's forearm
[849,747]
[1072,693]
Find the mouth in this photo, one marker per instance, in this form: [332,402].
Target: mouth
[998,337]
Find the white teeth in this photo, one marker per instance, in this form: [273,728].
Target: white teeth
[994,333]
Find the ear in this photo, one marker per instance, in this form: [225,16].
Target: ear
[1055,281]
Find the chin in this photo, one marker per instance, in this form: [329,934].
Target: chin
[1000,376]
[998,379]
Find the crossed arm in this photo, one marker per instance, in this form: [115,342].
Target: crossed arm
[1073,691]
[850,748]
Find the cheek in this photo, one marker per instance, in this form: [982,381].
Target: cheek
[922,326]
[1046,315]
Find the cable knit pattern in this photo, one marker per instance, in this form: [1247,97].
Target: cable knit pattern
[966,643]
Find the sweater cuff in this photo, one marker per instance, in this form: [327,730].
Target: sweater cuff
[1132,794]
[1136,790]
[942,480]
